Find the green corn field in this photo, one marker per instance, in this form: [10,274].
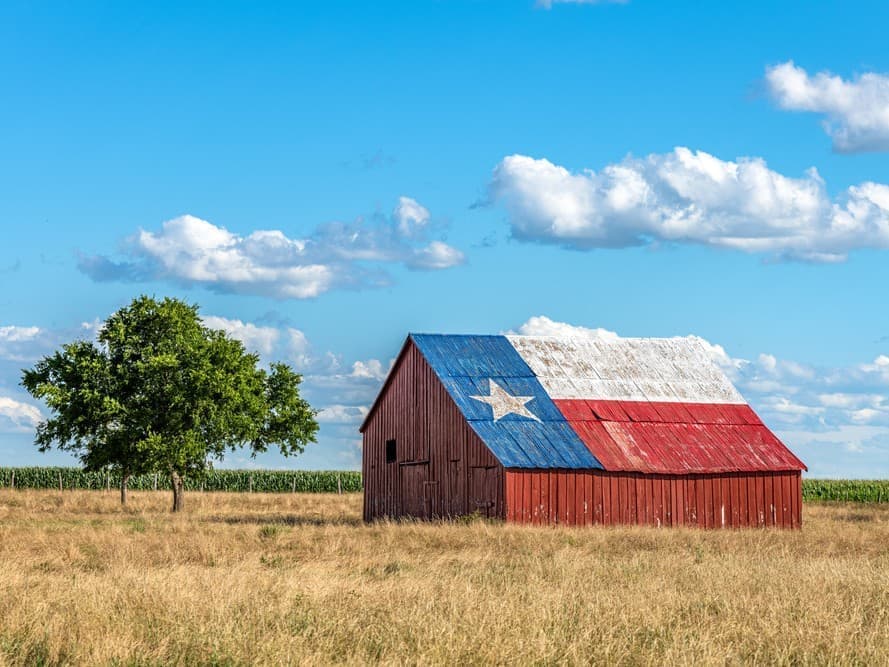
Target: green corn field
[846,490]
[331,481]
[260,481]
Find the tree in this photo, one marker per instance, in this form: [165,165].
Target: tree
[77,385]
[161,392]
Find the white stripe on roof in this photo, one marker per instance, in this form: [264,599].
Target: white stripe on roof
[628,369]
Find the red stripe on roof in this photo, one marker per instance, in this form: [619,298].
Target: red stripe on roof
[676,438]
[603,410]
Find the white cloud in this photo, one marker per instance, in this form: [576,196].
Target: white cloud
[21,343]
[843,450]
[436,255]
[18,416]
[839,400]
[342,414]
[255,338]
[541,325]
[878,369]
[372,369]
[789,411]
[410,216]
[29,343]
[856,110]
[279,343]
[717,353]
[299,350]
[267,262]
[14,334]
[91,329]
[692,197]
[867,415]
[357,388]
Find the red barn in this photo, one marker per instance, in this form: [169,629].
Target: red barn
[553,430]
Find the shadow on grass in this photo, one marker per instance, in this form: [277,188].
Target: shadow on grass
[285,520]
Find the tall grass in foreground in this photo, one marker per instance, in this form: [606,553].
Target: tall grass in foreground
[299,579]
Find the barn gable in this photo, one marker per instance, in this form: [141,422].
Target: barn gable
[437,465]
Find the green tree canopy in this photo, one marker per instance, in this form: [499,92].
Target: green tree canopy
[161,392]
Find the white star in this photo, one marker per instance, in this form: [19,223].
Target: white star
[503,403]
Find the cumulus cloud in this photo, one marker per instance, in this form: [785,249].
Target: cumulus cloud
[336,255]
[434,256]
[19,343]
[17,415]
[29,343]
[856,110]
[692,197]
[835,418]
[358,386]
[372,369]
[290,345]
[411,216]
[255,338]
[541,325]
[342,414]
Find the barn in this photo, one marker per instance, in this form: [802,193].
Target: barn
[574,431]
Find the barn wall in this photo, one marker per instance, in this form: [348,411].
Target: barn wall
[442,469]
[595,497]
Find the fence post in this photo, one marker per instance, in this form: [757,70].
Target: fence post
[60,480]
[293,484]
[12,483]
[155,481]
[339,483]
[107,481]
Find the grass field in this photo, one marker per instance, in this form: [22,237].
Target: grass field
[297,578]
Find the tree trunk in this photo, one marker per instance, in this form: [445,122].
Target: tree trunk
[178,490]
[124,480]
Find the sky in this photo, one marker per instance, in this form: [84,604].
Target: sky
[323,178]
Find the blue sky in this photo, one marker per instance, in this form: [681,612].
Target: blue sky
[324,177]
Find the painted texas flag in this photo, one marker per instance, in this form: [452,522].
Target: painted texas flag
[636,404]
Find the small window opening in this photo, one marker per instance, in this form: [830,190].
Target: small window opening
[391,455]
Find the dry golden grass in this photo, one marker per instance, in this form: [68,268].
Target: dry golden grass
[277,579]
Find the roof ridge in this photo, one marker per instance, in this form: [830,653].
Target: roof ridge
[605,339]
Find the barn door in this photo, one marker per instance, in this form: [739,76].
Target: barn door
[483,490]
[414,489]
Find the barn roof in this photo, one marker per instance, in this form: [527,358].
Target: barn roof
[629,404]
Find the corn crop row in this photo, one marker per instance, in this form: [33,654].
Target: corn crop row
[266,481]
[848,490]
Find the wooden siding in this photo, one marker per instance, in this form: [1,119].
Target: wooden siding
[594,497]
[442,467]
